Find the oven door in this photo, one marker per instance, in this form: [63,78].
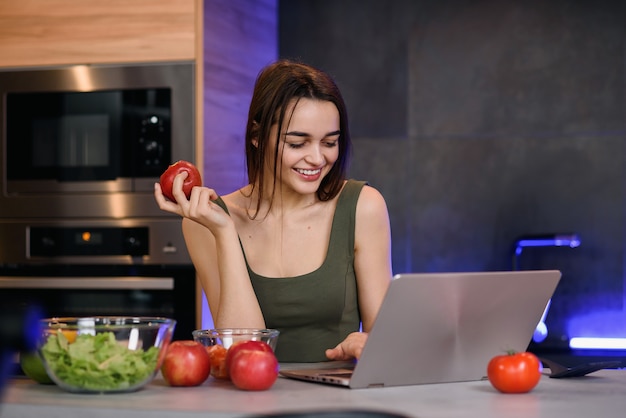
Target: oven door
[106,291]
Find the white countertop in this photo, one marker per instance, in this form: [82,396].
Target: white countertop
[601,394]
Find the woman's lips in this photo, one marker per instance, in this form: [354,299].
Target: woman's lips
[309,174]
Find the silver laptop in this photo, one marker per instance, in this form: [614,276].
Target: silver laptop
[442,327]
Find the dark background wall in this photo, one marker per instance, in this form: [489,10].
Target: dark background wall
[483,121]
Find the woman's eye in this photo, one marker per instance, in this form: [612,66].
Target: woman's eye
[331,144]
[295,145]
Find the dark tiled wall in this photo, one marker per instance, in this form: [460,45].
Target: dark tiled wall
[484,121]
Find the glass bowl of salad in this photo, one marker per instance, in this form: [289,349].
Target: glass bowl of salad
[104,354]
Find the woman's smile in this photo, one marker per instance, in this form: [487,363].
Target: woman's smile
[309,175]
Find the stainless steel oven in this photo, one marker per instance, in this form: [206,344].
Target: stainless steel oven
[83,267]
[103,290]
[80,150]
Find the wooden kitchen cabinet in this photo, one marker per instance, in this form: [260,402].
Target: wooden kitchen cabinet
[59,32]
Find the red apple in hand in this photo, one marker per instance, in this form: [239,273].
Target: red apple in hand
[186,363]
[253,369]
[167,178]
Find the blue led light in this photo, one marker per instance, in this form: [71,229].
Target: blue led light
[571,241]
[588,343]
[553,240]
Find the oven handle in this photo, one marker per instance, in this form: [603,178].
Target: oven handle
[104,283]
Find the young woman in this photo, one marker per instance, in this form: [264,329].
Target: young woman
[300,248]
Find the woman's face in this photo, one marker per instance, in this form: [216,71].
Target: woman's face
[308,145]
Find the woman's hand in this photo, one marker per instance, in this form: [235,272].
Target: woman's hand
[199,207]
[348,349]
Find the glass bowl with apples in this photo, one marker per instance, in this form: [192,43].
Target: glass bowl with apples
[228,336]
[243,355]
[103,354]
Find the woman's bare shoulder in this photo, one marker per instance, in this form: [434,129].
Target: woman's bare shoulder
[235,197]
[371,202]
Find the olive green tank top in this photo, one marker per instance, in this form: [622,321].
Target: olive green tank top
[318,310]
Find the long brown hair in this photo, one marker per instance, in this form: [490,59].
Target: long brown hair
[278,85]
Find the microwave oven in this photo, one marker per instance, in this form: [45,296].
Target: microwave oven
[90,141]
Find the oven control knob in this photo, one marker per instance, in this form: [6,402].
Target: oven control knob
[133,242]
[134,246]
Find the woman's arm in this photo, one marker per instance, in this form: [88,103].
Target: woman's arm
[222,272]
[372,265]
[372,254]
[213,245]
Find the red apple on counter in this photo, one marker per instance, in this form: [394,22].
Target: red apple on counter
[253,369]
[245,345]
[167,178]
[186,363]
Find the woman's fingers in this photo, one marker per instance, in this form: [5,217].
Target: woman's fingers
[163,202]
[349,348]
[177,187]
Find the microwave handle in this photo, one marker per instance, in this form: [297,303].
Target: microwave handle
[90,283]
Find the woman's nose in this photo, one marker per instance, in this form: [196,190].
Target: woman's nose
[315,156]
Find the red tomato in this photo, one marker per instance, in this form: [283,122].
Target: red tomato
[217,353]
[186,363]
[514,372]
[253,369]
[167,178]
[245,345]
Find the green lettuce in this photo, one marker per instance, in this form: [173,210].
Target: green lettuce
[98,362]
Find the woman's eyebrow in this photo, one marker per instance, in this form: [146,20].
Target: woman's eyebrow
[304,134]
